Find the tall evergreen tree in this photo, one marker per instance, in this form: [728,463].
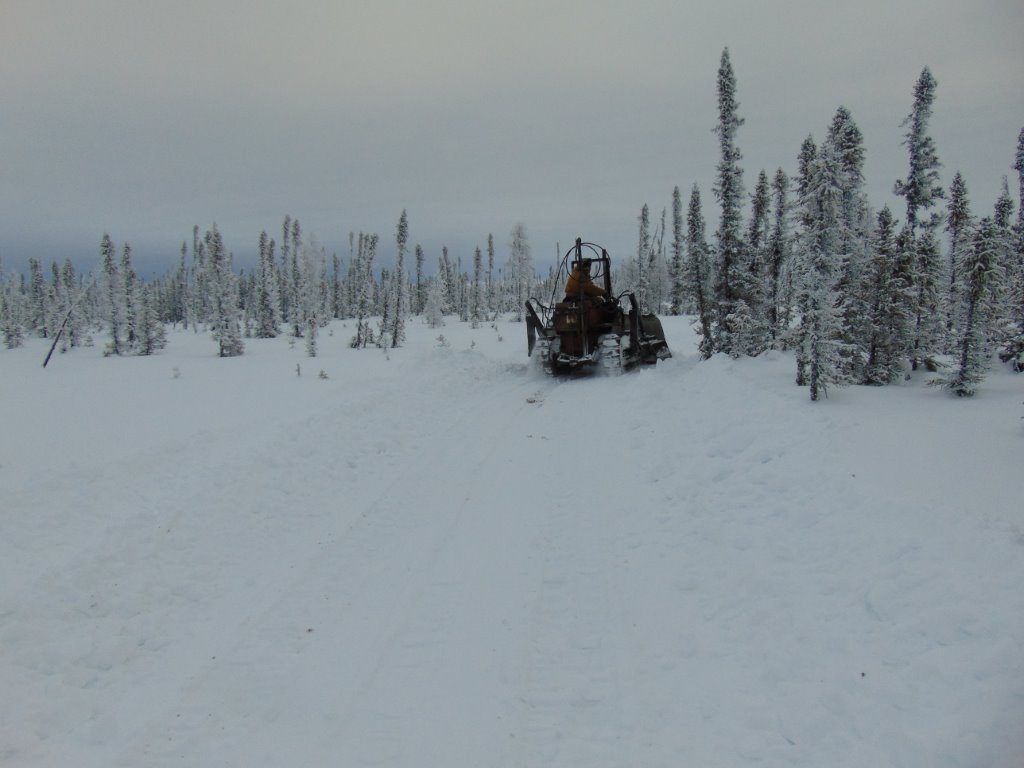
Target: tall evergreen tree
[151,333]
[889,306]
[433,313]
[11,317]
[853,245]
[386,301]
[337,294]
[37,298]
[521,268]
[698,273]
[114,296]
[476,310]
[298,315]
[202,300]
[69,307]
[1002,215]
[449,302]
[656,267]
[268,312]
[779,298]
[224,293]
[677,273]
[732,312]
[756,265]
[402,240]
[130,283]
[922,191]
[420,294]
[178,310]
[980,277]
[958,224]
[492,300]
[639,279]
[55,304]
[1006,255]
[1013,350]
[363,277]
[820,345]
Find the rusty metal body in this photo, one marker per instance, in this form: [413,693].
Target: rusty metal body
[592,327]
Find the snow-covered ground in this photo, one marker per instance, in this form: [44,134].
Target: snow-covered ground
[439,557]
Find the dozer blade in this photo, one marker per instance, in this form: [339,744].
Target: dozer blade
[533,327]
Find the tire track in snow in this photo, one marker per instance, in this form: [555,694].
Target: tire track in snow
[392,548]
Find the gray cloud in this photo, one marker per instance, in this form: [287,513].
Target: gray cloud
[144,118]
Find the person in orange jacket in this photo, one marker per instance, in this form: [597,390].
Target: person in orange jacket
[580,281]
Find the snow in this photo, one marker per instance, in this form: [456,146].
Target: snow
[437,556]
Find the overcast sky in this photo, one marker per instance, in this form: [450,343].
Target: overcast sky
[142,118]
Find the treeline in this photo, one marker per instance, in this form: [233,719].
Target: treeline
[859,296]
[803,263]
[295,289]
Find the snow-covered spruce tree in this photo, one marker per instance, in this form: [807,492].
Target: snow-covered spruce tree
[201,298]
[1013,348]
[732,311]
[64,320]
[677,299]
[492,299]
[54,304]
[130,283]
[464,293]
[11,314]
[419,296]
[922,191]
[177,299]
[1002,217]
[888,307]
[350,279]
[363,276]
[698,273]
[311,284]
[312,292]
[114,293]
[37,298]
[657,274]
[226,328]
[639,279]
[805,163]
[284,272]
[958,224]
[151,333]
[755,264]
[476,308]
[312,333]
[298,315]
[433,315]
[68,316]
[520,268]
[401,304]
[852,289]
[779,294]
[446,274]
[268,303]
[337,288]
[820,334]
[386,303]
[980,277]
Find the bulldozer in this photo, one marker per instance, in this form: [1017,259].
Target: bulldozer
[591,326]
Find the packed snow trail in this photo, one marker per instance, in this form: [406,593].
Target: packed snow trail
[441,557]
